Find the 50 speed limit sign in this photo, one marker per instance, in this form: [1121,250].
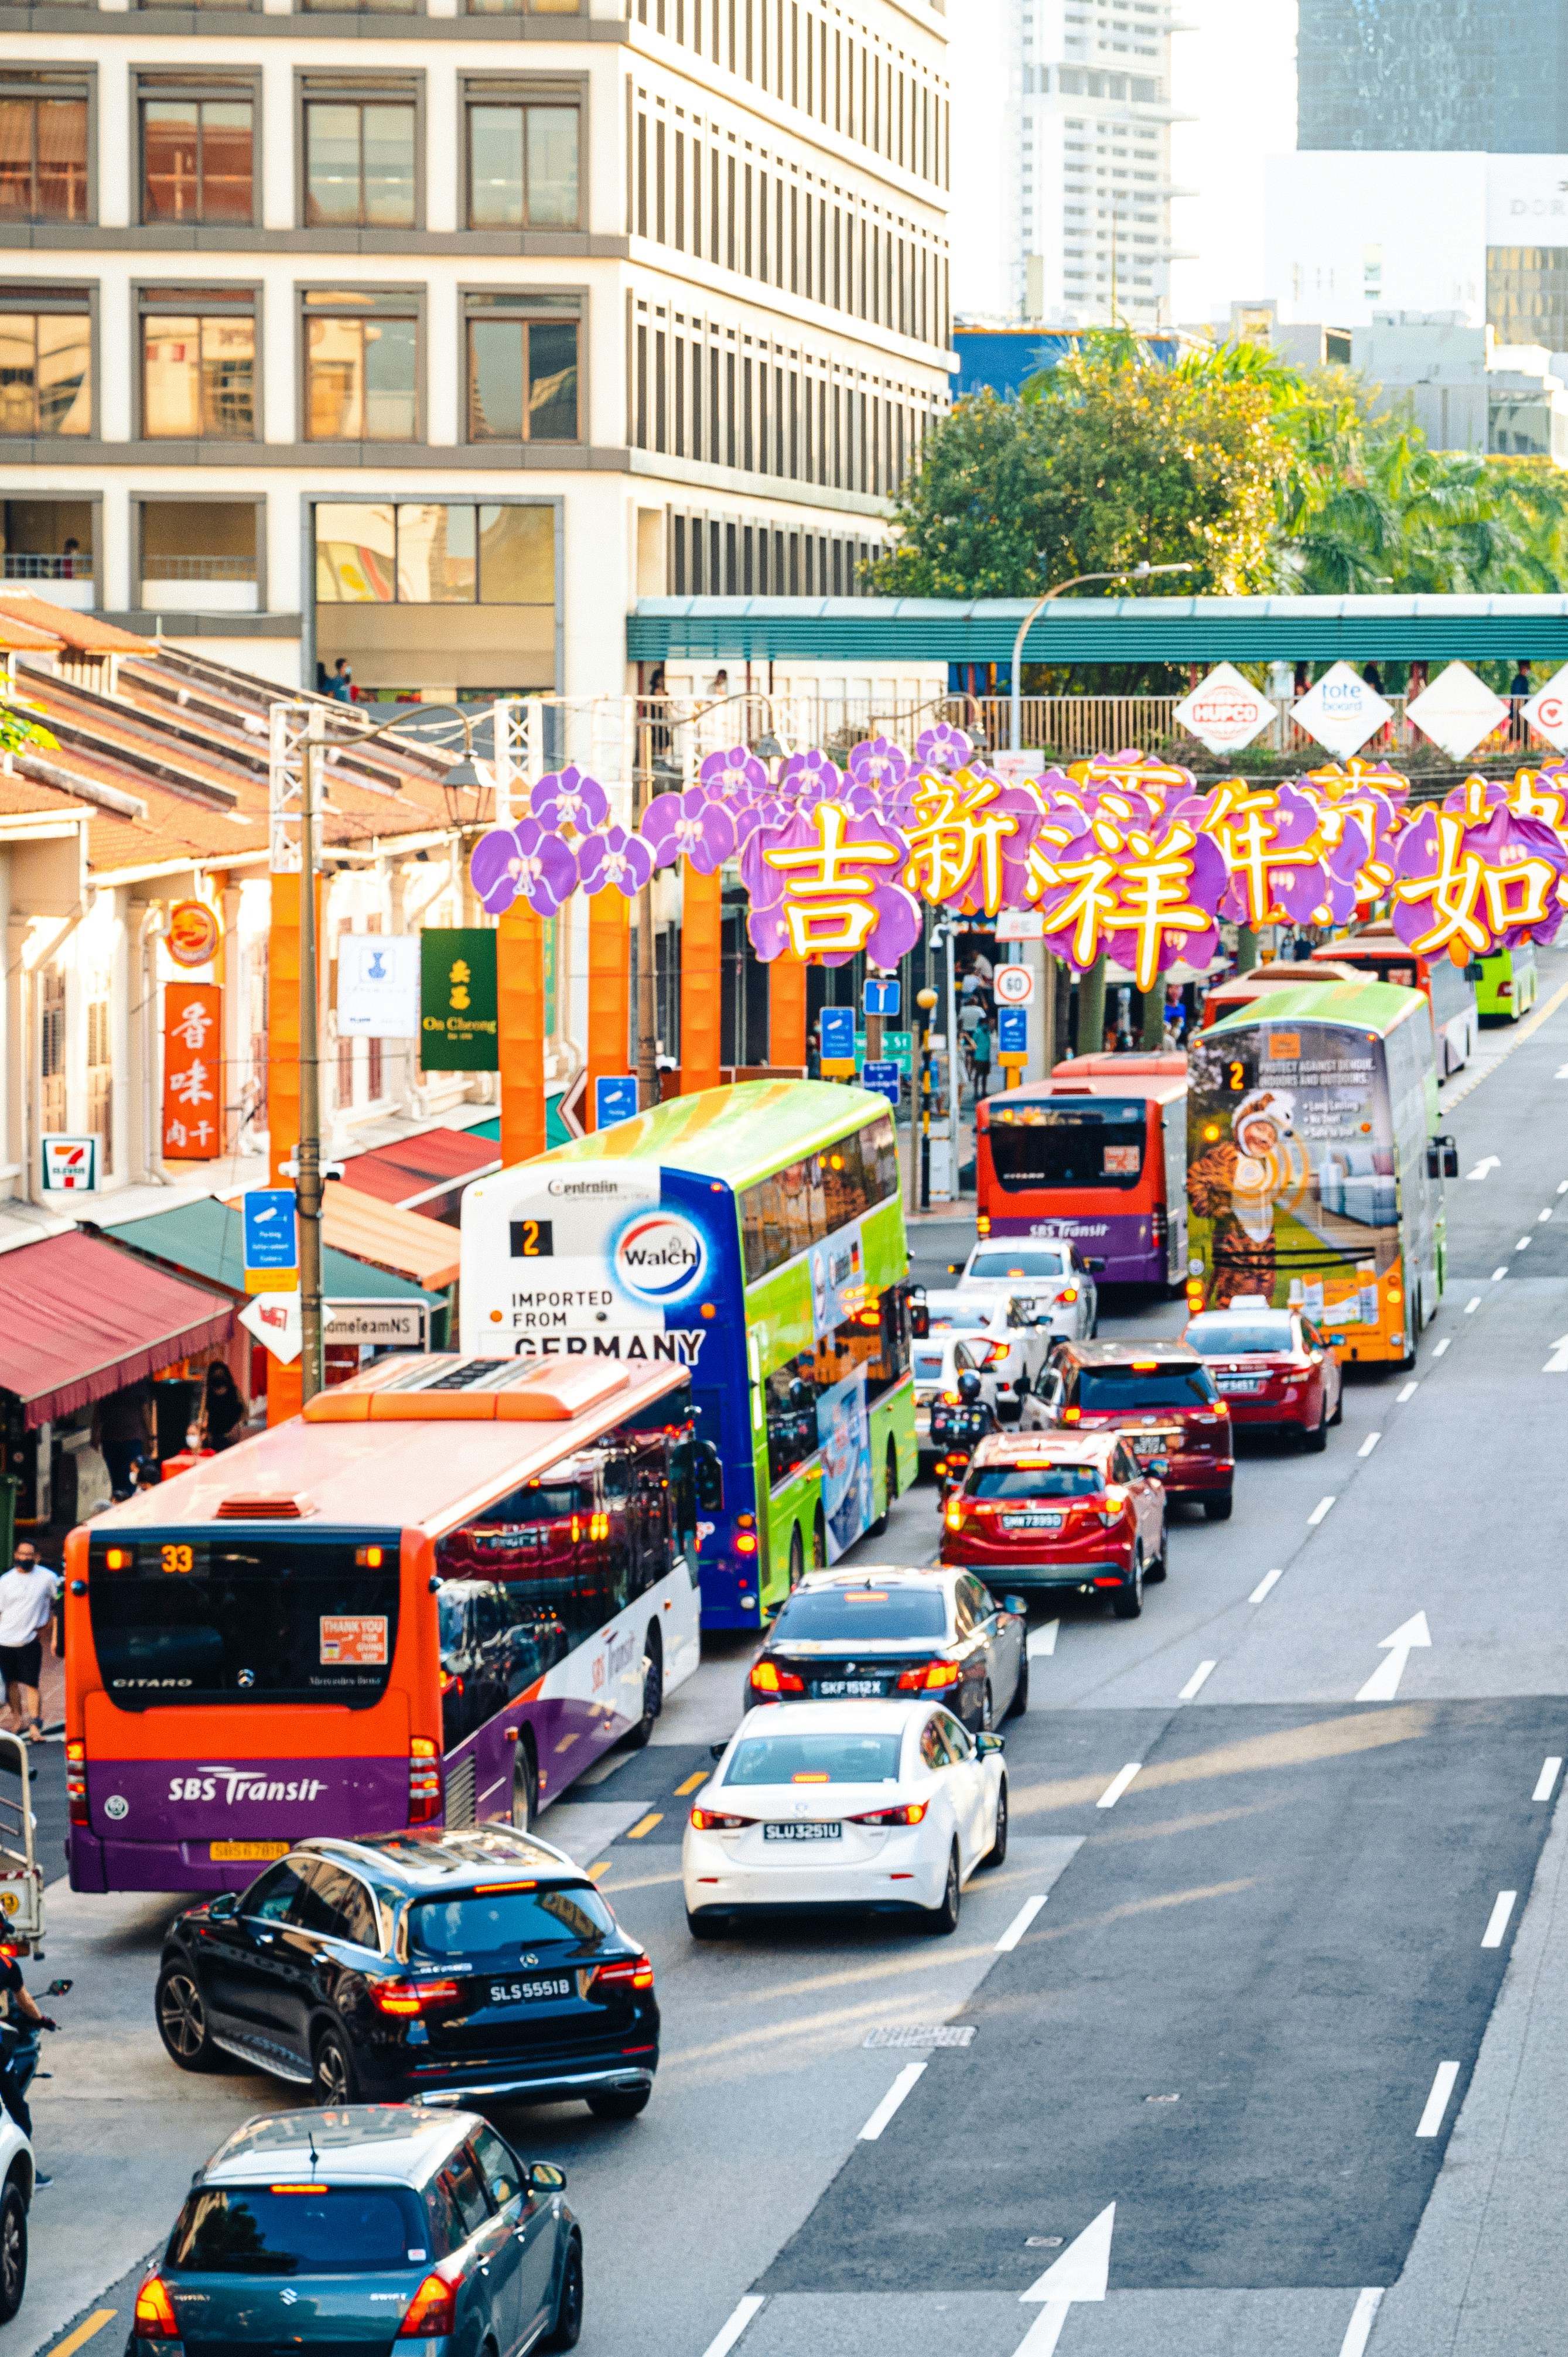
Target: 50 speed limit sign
[1014,985]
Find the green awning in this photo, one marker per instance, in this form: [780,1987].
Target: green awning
[207,1239]
[555,1130]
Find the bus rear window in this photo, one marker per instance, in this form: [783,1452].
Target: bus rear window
[1080,1145]
[1099,1388]
[203,1617]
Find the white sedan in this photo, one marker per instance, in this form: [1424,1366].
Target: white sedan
[937,1364]
[1020,1335]
[885,1805]
[1056,1277]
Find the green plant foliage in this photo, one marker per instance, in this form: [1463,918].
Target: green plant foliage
[17,732]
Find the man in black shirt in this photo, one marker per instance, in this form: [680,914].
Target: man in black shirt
[20,2021]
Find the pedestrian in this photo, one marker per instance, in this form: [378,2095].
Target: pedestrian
[341,686]
[222,1409]
[124,1432]
[1518,696]
[1373,677]
[980,1053]
[28,1594]
[148,1473]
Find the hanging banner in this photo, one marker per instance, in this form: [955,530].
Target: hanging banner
[1341,712]
[1458,711]
[458,1027]
[1225,710]
[193,1071]
[378,987]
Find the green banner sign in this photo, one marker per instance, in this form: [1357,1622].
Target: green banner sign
[457,1023]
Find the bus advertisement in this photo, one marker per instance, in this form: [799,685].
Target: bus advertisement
[1096,1157]
[435,1599]
[1310,1177]
[754,1237]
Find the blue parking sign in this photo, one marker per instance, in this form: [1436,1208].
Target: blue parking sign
[270,1235]
[1013,1030]
[838,1035]
[615,1098]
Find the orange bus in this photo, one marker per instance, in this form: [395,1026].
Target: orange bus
[1096,1157]
[435,1599]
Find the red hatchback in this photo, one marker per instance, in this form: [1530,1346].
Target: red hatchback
[1272,1367]
[1060,1510]
[1161,1397]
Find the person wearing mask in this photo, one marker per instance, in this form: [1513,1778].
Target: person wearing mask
[980,1053]
[124,1433]
[222,1409]
[28,1594]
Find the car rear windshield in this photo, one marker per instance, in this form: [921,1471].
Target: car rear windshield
[346,2230]
[1098,1388]
[928,1365]
[1098,1144]
[829,1616]
[483,1924]
[846,1759]
[1035,1481]
[1219,1336]
[1029,1260]
[200,1617]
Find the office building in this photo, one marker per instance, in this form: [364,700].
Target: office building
[1440,74]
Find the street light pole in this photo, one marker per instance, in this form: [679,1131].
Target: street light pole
[1127,573]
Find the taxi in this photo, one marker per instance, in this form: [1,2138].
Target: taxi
[1074,1511]
[1161,1397]
[1272,1367]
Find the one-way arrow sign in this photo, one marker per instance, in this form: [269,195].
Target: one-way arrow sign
[1081,2273]
[1558,1363]
[1384,1683]
[1490,1163]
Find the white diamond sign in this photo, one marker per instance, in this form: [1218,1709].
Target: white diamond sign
[1546,711]
[1341,712]
[1457,711]
[1225,710]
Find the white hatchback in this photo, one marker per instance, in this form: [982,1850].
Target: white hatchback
[883,1805]
[1055,1277]
[1019,1334]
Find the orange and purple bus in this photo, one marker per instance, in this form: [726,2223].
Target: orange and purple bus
[1096,1157]
[434,1599]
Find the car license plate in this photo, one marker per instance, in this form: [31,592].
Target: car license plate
[234,1851]
[1153,1444]
[1031,1522]
[1240,1382]
[850,1686]
[802,1833]
[532,1992]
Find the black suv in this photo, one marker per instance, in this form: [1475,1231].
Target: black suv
[408,1965]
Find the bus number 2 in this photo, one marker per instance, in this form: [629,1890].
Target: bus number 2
[533,1238]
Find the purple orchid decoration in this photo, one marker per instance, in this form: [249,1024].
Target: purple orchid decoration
[615,858]
[522,862]
[878,762]
[812,777]
[942,746]
[494,868]
[735,773]
[569,798]
[690,826]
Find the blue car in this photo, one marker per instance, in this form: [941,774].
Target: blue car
[381,2228]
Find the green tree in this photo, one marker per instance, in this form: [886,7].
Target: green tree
[17,732]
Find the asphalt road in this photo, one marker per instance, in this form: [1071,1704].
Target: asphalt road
[1275,2015]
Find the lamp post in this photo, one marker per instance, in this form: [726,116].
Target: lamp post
[1127,573]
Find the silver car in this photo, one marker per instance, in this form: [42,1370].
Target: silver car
[1055,1277]
[1019,1335]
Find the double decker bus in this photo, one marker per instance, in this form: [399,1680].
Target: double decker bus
[1096,1157]
[435,1599]
[753,1235]
[1449,989]
[1313,1175]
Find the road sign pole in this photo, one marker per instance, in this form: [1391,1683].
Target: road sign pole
[307,1182]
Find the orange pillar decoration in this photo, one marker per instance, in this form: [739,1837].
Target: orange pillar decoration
[520,994]
[285,1384]
[701,977]
[786,1012]
[609,990]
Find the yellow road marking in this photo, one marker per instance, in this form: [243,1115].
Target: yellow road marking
[691,1783]
[595,1871]
[646,1824]
[84,2332]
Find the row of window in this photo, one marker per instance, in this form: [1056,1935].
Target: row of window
[857,89]
[712,554]
[700,197]
[196,364]
[198,152]
[875,1342]
[783,1216]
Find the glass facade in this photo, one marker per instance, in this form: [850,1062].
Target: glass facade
[1445,74]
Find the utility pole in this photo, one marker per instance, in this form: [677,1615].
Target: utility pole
[646,994]
[308,1153]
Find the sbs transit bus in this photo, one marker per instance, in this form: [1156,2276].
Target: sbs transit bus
[1313,1175]
[1097,1157]
[1449,989]
[433,1599]
[754,1235]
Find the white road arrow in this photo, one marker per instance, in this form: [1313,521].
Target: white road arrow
[1384,1683]
[1558,1363]
[1081,2273]
[1491,1162]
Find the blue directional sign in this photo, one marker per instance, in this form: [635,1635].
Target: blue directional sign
[882,994]
[615,1098]
[270,1235]
[838,1037]
[884,1078]
[1013,1030]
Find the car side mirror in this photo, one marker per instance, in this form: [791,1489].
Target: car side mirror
[1015,1604]
[1094,1266]
[717,1750]
[545,2177]
[226,1904]
[987,1745]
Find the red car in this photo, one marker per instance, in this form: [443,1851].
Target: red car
[1271,1366]
[1161,1397]
[1050,1509]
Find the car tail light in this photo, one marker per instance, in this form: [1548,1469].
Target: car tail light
[952,1399]
[155,2318]
[409,1997]
[766,1677]
[423,1781]
[625,1972]
[1071,1415]
[433,2310]
[1115,1500]
[76,1782]
[955,1516]
[1068,1293]
[909,1815]
[713,1821]
[928,1677]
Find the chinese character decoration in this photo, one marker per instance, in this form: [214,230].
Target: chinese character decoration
[1288,862]
[1473,877]
[691,825]
[824,884]
[193,1036]
[526,861]
[1146,898]
[1542,794]
[969,839]
[1139,772]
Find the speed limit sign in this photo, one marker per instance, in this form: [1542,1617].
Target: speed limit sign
[1014,985]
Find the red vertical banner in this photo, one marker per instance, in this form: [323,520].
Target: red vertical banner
[193,1071]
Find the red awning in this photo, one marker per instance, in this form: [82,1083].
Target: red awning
[80,1319]
[423,1173]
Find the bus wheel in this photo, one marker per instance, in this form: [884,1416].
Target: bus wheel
[652,1692]
[819,1542]
[524,1788]
[797,1559]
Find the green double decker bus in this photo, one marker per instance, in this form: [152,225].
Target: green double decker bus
[755,1236]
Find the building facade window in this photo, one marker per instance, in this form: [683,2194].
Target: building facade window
[360,164]
[100,1072]
[198,364]
[51,1049]
[433,553]
[196,159]
[43,150]
[522,372]
[46,360]
[361,367]
[522,163]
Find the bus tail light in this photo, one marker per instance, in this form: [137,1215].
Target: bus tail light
[155,2318]
[624,1971]
[746,1542]
[767,1678]
[928,1677]
[423,1781]
[407,1998]
[75,1784]
[432,2311]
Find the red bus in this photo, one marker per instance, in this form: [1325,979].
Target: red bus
[1097,1157]
[1241,989]
[435,1599]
